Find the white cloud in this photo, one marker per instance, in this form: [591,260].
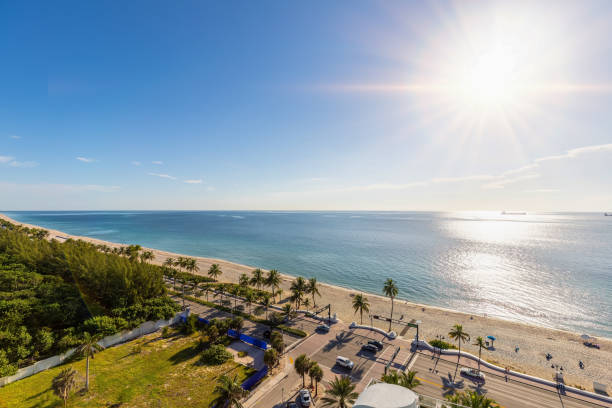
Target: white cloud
[158,162]
[210,188]
[478,177]
[505,181]
[166,176]
[85,159]
[8,160]
[543,190]
[54,188]
[15,137]
[199,181]
[136,163]
[577,152]
[23,164]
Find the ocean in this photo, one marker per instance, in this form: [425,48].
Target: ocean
[549,269]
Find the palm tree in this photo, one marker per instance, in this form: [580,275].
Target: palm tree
[273,280]
[243,280]
[146,256]
[266,303]
[214,271]
[302,365]
[258,278]
[64,383]
[287,311]
[298,289]
[312,288]
[341,393]
[459,335]
[408,379]
[361,304]
[192,265]
[271,357]
[390,290]
[205,287]
[312,371]
[480,342]
[316,373]
[88,347]
[306,303]
[230,392]
[249,297]
[471,399]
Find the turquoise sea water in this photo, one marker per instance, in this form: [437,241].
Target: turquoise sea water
[553,270]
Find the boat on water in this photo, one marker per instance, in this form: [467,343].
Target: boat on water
[516,213]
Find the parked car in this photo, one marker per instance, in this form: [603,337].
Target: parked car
[291,404]
[376,344]
[323,328]
[369,347]
[473,374]
[345,362]
[304,398]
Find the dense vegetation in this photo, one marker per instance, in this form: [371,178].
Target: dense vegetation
[52,292]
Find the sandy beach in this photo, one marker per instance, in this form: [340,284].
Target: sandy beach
[533,342]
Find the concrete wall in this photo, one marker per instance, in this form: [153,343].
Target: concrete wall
[390,334]
[423,345]
[108,341]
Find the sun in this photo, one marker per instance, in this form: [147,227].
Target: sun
[490,78]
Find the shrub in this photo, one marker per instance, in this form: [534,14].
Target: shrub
[165,332]
[242,354]
[6,368]
[216,355]
[292,330]
[442,344]
[191,324]
[104,325]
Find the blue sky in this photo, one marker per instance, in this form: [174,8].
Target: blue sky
[302,105]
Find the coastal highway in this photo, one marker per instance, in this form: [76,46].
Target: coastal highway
[511,394]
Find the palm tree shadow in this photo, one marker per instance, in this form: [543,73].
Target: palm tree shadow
[183,355]
[339,342]
[479,389]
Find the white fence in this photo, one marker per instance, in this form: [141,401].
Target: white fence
[108,341]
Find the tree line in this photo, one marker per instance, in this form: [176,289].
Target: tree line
[52,292]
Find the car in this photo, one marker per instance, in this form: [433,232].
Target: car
[376,344]
[267,334]
[291,404]
[345,362]
[323,328]
[473,374]
[304,398]
[369,347]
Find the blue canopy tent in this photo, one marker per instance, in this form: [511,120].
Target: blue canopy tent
[492,338]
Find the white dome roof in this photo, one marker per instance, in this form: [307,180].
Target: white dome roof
[384,395]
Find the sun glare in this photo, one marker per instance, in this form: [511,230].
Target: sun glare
[489,77]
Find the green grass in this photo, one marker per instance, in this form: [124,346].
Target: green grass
[147,372]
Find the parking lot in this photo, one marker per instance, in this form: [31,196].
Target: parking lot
[348,344]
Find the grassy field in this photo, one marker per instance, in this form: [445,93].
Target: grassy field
[147,372]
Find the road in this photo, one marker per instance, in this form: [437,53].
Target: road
[510,394]
[324,348]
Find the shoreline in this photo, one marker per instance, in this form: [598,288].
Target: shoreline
[533,341]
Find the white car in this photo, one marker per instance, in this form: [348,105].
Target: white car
[304,398]
[345,362]
[472,374]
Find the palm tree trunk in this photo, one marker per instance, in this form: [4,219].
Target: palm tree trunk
[458,358]
[391,314]
[87,372]
[361,313]
[479,351]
